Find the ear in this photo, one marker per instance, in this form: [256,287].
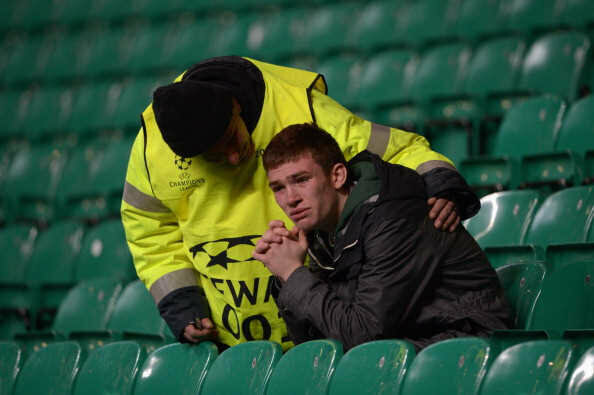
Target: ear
[338,175]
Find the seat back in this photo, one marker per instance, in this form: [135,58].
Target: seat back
[105,253]
[562,218]
[50,370]
[176,368]
[504,217]
[555,63]
[529,15]
[479,18]
[16,245]
[374,26]
[581,380]
[494,66]
[522,284]
[577,130]
[306,369]
[10,364]
[372,368]
[530,127]
[251,364]
[454,366]
[87,307]
[532,367]
[110,369]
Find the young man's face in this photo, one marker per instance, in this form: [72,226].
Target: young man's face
[306,194]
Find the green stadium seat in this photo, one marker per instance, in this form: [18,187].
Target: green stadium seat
[110,369]
[503,339]
[565,166]
[339,71]
[10,364]
[41,166]
[229,35]
[529,127]
[90,102]
[581,380]
[522,283]
[22,59]
[51,370]
[324,32]
[11,323]
[306,368]
[144,39]
[71,12]
[373,27]
[105,253]
[454,366]
[504,217]
[123,110]
[426,22]
[16,246]
[527,16]
[384,78]
[86,308]
[575,13]
[373,368]
[12,113]
[581,340]
[554,64]
[48,113]
[50,271]
[562,218]
[567,297]
[250,365]
[478,19]
[177,369]
[532,367]
[270,35]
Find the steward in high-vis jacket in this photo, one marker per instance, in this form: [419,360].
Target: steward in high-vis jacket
[191,223]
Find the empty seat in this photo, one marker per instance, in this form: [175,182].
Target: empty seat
[480,18]
[306,368]
[104,253]
[522,283]
[529,127]
[453,366]
[337,72]
[375,26]
[372,368]
[176,368]
[527,16]
[504,217]
[565,165]
[10,364]
[566,300]
[50,370]
[575,13]
[249,363]
[110,369]
[531,367]
[555,64]
[581,380]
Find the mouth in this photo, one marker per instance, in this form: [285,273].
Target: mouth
[298,215]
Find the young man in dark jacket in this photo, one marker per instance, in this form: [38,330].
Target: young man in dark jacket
[378,268]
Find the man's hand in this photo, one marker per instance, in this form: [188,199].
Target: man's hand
[195,335]
[282,255]
[444,213]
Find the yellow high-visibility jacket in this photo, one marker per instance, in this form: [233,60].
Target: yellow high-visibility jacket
[190,222]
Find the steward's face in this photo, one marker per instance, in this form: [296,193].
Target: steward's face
[305,193]
[236,145]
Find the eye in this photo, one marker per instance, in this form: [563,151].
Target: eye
[302,179]
[276,188]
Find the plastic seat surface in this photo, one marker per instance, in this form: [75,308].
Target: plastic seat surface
[50,370]
[110,369]
[372,368]
[251,364]
[522,285]
[10,364]
[307,368]
[581,380]
[453,366]
[532,367]
[176,368]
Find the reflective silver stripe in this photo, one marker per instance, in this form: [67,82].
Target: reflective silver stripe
[142,201]
[378,139]
[172,281]
[433,164]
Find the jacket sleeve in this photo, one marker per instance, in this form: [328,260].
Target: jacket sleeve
[412,150]
[155,242]
[393,276]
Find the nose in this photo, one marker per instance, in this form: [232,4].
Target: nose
[233,157]
[293,197]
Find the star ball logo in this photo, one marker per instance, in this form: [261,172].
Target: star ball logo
[182,163]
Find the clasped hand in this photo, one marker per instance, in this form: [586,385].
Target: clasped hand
[281,250]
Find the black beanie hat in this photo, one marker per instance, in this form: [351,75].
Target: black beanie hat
[192,115]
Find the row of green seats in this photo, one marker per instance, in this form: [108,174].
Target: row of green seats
[463,366]
[541,143]
[39,268]
[43,183]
